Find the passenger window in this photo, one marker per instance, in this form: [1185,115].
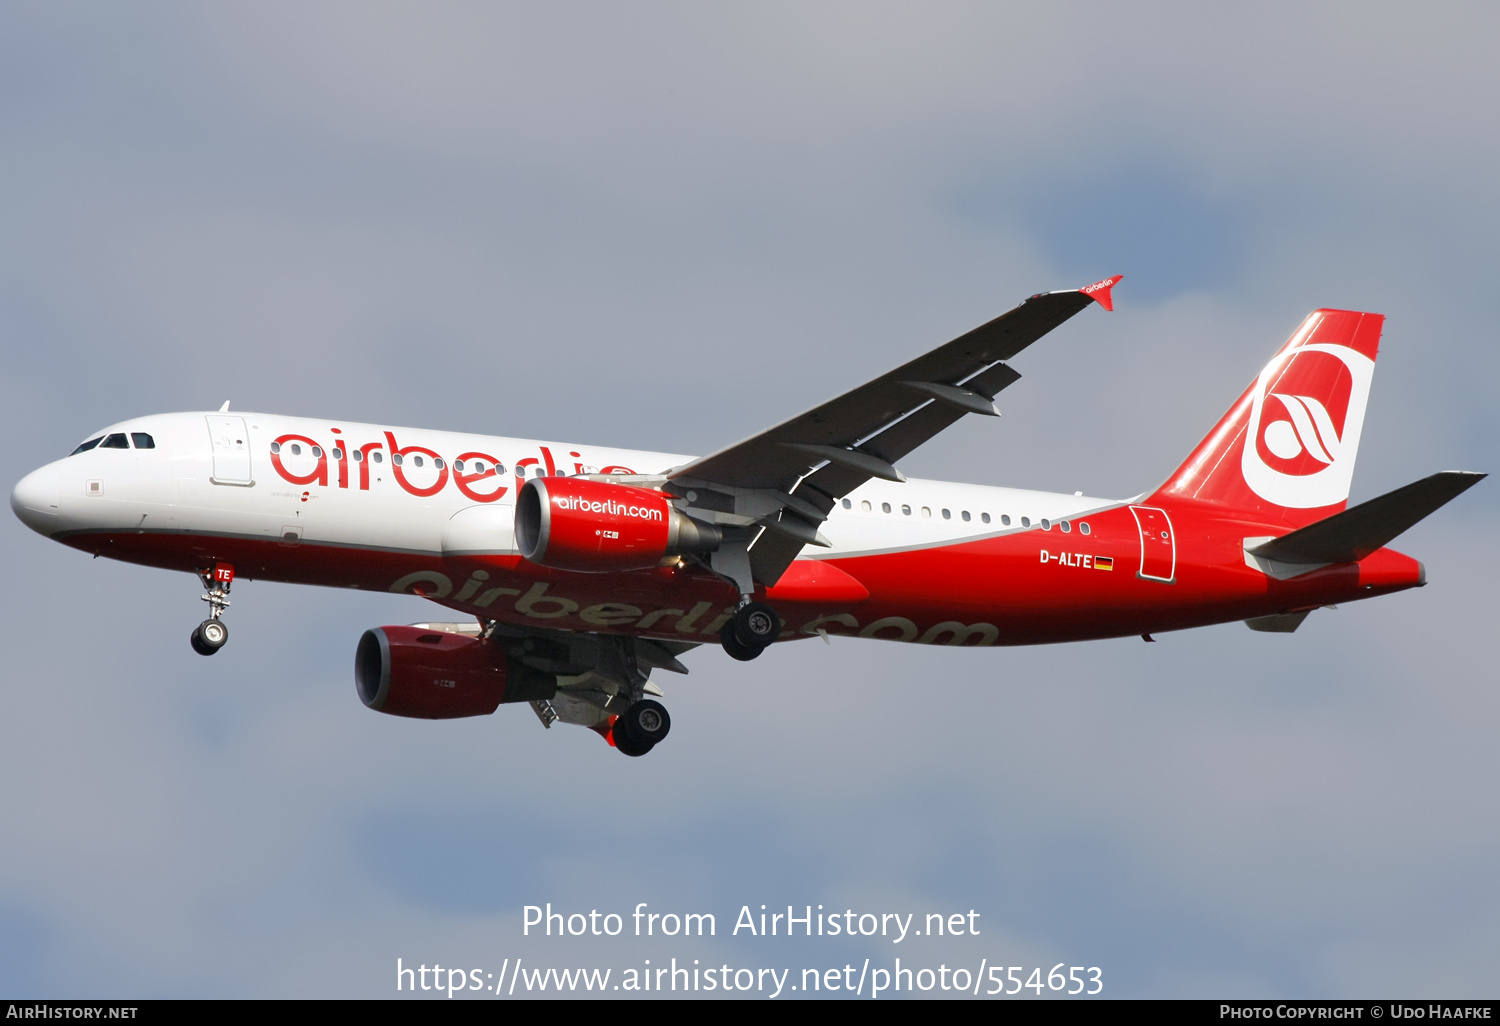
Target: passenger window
[885,507]
[848,504]
[86,446]
[1066,527]
[378,458]
[926,512]
[438,462]
[1005,519]
[965,515]
[115,442]
[1025,521]
[416,460]
[1046,524]
[864,504]
[296,449]
[985,517]
[520,471]
[142,440]
[499,467]
[396,457]
[359,456]
[458,465]
[906,509]
[1083,528]
[318,451]
[338,453]
[275,447]
[947,514]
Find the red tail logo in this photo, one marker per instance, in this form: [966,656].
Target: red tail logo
[1296,428]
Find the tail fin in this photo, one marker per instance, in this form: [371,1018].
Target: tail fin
[1285,451]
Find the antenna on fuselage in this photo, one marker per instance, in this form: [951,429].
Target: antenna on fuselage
[225,407]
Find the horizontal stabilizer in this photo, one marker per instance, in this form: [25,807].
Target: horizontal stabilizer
[1352,535]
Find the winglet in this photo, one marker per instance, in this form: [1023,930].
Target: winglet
[1099,291]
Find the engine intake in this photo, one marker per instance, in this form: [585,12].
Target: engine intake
[572,523]
[412,671]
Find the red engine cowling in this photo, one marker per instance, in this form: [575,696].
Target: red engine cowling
[575,524]
[412,671]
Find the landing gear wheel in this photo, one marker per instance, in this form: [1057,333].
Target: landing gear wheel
[627,745]
[209,636]
[756,625]
[733,645]
[646,722]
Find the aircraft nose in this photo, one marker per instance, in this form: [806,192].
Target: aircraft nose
[36,498]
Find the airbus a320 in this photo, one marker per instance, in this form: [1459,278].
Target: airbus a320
[582,569]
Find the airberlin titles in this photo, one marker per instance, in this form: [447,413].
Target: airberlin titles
[539,602]
[311,458]
[610,506]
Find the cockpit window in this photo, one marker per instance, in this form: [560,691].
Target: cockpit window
[142,440]
[115,441]
[86,446]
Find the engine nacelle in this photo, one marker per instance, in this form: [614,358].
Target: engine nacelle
[575,524]
[434,675]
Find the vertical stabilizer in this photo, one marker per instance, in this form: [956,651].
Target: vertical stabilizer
[1285,451]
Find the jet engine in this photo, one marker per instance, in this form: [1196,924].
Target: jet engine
[571,523]
[412,671]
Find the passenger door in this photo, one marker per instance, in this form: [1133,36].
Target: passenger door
[231,445]
[1158,544]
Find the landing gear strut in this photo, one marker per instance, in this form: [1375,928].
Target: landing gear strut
[212,634]
[754,626]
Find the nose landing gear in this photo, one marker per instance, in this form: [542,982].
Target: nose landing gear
[212,634]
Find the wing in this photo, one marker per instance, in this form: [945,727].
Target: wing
[783,482]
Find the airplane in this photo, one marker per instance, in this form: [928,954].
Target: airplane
[582,569]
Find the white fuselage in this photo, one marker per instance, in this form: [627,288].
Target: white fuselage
[184,484]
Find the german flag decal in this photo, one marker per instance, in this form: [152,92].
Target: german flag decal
[1104,562]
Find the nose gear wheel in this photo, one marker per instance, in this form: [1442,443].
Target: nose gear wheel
[209,636]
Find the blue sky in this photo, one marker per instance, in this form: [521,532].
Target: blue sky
[666,226]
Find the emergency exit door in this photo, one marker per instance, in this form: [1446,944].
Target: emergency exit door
[1158,544]
[231,444]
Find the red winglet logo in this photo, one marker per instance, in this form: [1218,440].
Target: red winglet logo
[1099,291]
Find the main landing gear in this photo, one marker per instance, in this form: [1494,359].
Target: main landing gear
[754,626]
[212,634]
[642,728]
